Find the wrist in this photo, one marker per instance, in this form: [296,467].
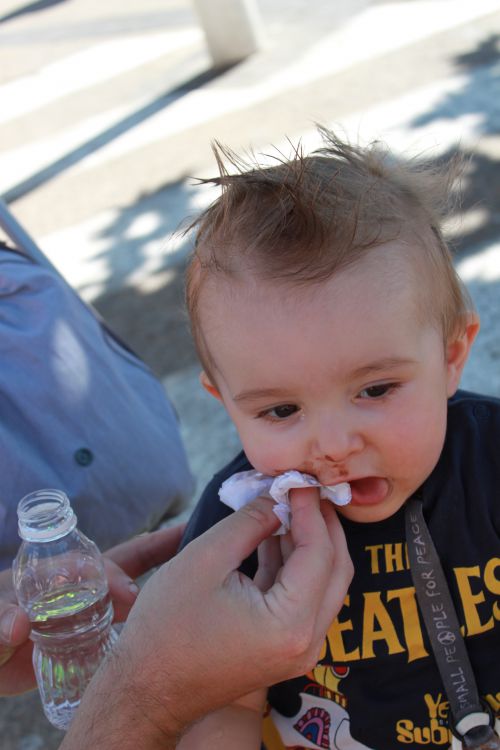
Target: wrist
[145,700]
[120,709]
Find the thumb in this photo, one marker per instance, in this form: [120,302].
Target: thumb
[123,590]
[238,535]
[14,627]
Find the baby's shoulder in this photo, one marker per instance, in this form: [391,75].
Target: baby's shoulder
[469,469]
[474,416]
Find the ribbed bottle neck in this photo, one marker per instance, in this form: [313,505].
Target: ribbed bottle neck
[45,515]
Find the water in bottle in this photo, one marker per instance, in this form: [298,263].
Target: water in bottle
[60,581]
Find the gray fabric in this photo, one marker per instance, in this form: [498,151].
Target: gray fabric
[79,413]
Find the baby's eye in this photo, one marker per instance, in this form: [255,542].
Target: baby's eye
[281,412]
[377,391]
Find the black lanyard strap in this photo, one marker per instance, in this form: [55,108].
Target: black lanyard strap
[471,719]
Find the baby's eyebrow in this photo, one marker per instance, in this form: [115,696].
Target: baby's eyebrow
[379,365]
[258,393]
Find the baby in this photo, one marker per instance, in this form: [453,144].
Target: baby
[333,328]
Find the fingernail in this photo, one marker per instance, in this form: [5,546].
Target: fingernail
[7,619]
[134,588]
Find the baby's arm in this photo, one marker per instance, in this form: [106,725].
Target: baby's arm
[238,725]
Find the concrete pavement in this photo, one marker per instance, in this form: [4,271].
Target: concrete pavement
[109,109]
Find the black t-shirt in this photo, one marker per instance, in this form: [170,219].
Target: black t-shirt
[376,684]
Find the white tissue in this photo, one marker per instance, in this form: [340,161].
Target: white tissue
[245,486]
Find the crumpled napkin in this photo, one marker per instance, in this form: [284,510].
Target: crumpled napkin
[245,486]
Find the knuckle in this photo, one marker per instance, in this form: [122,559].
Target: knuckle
[310,661]
[328,556]
[297,642]
[310,657]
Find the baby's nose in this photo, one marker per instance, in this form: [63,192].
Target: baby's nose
[335,441]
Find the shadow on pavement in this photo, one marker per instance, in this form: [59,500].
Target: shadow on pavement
[108,135]
[475,235]
[479,97]
[150,315]
[30,8]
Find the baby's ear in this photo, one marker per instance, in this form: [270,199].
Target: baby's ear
[458,350]
[209,386]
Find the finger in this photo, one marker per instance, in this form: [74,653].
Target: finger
[303,522]
[270,562]
[6,652]
[147,551]
[308,566]
[334,527]
[16,674]
[123,590]
[341,571]
[286,545]
[7,593]
[337,536]
[14,627]
[229,542]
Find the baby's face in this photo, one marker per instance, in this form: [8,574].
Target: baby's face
[340,379]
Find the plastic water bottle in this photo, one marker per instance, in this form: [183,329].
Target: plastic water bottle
[60,582]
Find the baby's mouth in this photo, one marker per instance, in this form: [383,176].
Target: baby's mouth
[364,491]
[369,490]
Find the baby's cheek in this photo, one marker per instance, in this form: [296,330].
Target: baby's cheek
[261,461]
[271,457]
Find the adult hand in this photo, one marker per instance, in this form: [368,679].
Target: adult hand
[16,671]
[201,634]
[123,563]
